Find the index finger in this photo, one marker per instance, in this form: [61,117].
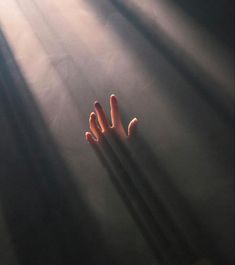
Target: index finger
[103,121]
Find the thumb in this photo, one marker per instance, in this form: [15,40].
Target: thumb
[132,127]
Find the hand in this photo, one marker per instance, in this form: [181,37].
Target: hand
[101,128]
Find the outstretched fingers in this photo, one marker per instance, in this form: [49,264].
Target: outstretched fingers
[100,126]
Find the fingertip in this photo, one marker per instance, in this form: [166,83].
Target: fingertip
[113,98]
[132,127]
[87,135]
[134,121]
[97,104]
[89,138]
[93,115]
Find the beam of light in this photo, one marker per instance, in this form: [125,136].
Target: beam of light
[189,42]
[184,32]
[39,199]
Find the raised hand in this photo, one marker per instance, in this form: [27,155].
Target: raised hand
[100,126]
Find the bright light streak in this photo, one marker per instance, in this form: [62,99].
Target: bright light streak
[182,31]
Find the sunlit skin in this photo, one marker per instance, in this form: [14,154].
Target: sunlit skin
[100,126]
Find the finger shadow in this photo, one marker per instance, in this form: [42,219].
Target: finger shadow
[148,210]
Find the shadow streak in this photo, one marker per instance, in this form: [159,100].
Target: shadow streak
[48,220]
[149,211]
[221,12]
[174,234]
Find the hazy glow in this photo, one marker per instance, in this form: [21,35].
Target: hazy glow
[72,52]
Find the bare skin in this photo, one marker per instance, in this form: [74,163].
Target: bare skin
[100,126]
